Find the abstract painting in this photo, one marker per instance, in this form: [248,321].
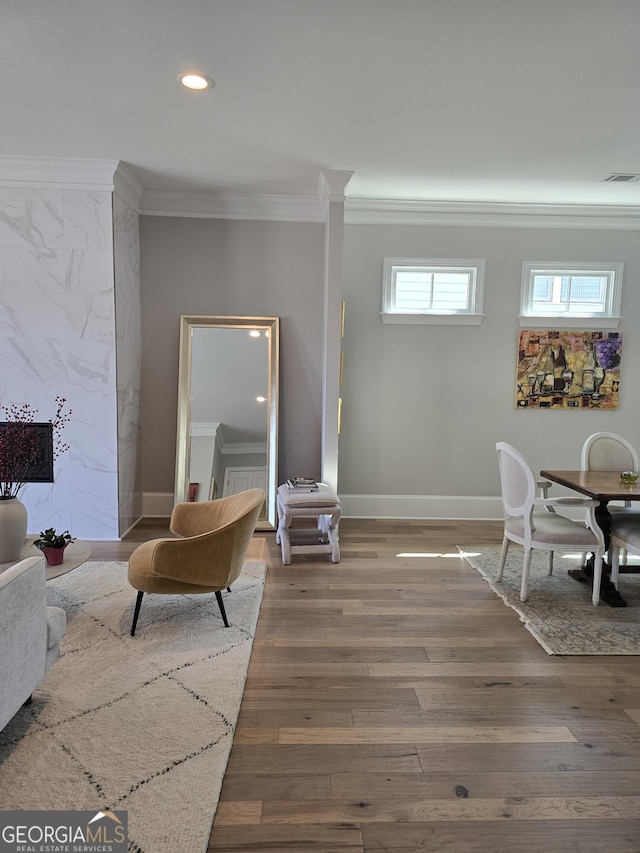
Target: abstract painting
[568,370]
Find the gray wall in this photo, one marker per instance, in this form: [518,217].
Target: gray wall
[223,267]
[424,405]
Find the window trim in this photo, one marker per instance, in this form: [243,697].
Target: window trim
[473,316]
[608,319]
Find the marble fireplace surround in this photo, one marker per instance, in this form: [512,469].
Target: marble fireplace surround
[70,326]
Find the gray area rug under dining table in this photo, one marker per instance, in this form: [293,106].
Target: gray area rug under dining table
[558,611]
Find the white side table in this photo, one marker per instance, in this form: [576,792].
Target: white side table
[322,505]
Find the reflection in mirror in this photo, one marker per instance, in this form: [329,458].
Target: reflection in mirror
[228,409]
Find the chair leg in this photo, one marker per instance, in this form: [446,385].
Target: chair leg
[503,558]
[550,564]
[222,610]
[597,578]
[524,587]
[136,612]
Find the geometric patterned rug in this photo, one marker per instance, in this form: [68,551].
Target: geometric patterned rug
[142,724]
[558,611]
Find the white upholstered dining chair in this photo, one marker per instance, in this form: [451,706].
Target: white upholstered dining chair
[606,451]
[527,521]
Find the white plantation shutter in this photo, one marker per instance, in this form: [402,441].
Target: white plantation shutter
[423,291]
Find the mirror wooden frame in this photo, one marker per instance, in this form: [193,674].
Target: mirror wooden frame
[270,325]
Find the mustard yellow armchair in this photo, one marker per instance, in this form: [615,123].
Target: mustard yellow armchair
[208,556]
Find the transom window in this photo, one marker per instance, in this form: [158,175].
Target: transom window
[573,292]
[432,291]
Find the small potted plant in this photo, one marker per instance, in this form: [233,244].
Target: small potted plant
[52,545]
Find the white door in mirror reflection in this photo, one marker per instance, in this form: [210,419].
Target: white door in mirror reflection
[239,479]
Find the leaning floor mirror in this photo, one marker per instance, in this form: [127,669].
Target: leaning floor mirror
[227,438]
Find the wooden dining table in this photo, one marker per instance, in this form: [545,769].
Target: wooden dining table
[603,487]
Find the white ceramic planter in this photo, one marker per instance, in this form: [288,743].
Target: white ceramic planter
[13,529]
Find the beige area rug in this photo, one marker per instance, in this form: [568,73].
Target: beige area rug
[558,610]
[142,724]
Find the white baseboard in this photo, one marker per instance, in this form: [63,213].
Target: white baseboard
[157,504]
[160,505]
[129,529]
[421,506]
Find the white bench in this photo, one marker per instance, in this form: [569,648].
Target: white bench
[321,504]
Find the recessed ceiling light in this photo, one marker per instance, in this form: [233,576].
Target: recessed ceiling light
[192,80]
[261,399]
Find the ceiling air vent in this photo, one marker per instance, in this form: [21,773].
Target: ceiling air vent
[622,177]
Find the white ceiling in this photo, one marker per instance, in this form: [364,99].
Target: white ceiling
[457,100]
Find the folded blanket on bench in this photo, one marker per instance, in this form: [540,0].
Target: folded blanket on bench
[295,498]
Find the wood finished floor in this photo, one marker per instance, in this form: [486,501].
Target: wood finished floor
[395,704]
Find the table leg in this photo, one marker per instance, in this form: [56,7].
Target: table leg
[608,593]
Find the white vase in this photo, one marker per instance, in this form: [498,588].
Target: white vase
[13,529]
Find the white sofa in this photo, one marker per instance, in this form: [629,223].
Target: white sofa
[30,634]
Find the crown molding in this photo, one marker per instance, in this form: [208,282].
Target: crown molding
[225,447]
[333,184]
[113,175]
[127,187]
[279,208]
[204,428]
[377,211]
[57,172]
[243,447]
